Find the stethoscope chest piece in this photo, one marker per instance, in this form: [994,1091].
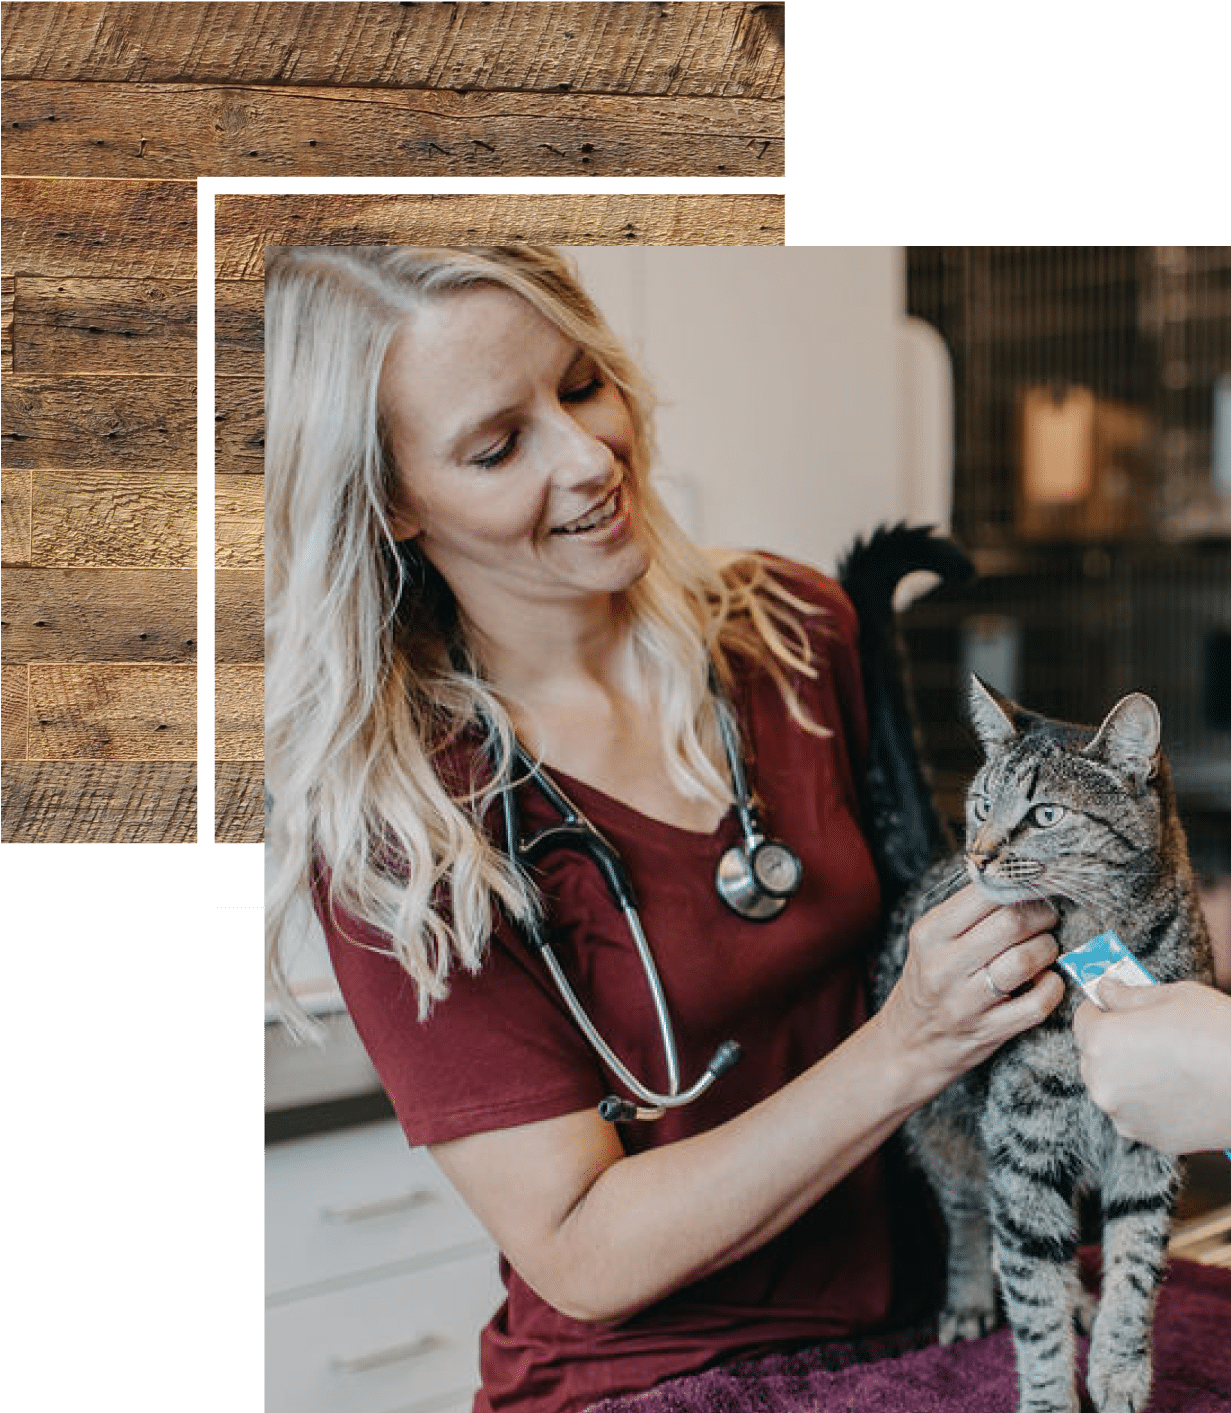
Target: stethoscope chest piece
[758,878]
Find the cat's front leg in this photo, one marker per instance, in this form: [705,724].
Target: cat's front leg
[944,1139]
[1139,1187]
[1035,1238]
[970,1287]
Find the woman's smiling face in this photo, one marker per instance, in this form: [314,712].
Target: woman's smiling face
[513,455]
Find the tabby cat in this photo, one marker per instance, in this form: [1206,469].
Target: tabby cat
[1087,819]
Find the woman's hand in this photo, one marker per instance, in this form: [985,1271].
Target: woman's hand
[1158,1061]
[975,975]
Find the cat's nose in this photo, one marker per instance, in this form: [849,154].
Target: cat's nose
[979,861]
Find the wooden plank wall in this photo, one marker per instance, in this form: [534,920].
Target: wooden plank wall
[112,110]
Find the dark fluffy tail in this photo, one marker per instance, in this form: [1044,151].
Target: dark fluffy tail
[905,827]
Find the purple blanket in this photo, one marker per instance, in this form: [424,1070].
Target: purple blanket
[1192,1369]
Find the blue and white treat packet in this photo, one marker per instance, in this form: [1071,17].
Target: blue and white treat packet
[1104,955]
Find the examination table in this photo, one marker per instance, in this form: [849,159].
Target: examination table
[1192,1369]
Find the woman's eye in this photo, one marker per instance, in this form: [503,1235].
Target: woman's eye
[499,454]
[1047,815]
[981,806]
[584,391]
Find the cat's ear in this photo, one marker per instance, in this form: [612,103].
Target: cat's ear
[991,715]
[1129,737]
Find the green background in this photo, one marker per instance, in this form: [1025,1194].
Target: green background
[133,1116]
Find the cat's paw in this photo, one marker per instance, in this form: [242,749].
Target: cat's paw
[1084,1311]
[965,1323]
[1119,1388]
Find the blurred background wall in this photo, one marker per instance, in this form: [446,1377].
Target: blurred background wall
[1092,481]
[777,374]
[1066,409]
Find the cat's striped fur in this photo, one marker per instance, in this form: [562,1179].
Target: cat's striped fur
[1011,1146]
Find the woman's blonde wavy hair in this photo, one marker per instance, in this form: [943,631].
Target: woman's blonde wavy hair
[369,678]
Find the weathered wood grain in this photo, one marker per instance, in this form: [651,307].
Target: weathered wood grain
[54,228]
[15,517]
[720,49]
[239,426]
[148,229]
[145,131]
[14,696]
[103,711]
[100,615]
[81,325]
[107,518]
[137,520]
[113,326]
[239,608]
[239,712]
[6,323]
[239,802]
[246,225]
[100,423]
[99,802]
[118,331]
[142,426]
[239,328]
[99,284]
[239,516]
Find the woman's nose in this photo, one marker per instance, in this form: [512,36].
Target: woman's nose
[580,454]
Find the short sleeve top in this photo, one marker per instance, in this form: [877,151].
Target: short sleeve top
[502,1050]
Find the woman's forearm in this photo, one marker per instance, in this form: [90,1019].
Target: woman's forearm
[671,1215]
[601,1235]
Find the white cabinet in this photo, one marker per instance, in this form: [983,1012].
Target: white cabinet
[378,1279]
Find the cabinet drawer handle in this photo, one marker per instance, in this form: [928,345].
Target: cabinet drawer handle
[382,1207]
[416,1348]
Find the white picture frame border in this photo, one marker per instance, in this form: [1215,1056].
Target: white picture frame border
[900,188]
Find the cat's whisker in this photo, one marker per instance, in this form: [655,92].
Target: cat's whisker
[942,886]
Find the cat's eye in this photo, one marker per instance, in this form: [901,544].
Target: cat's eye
[981,806]
[1047,815]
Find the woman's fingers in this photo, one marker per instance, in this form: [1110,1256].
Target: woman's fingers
[1114,995]
[976,974]
[954,917]
[1035,1002]
[968,932]
[1007,928]
[1013,967]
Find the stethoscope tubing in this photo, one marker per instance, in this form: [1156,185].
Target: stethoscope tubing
[747,895]
[576,831]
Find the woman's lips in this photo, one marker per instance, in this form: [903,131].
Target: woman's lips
[597,517]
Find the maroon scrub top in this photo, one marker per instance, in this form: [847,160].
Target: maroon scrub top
[501,1049]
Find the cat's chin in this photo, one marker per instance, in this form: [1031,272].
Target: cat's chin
[1001,892]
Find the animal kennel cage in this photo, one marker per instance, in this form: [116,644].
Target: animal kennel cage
[1092,392]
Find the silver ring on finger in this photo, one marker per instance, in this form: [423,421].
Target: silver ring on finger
[997,993]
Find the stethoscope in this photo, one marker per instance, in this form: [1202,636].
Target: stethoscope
[754,878]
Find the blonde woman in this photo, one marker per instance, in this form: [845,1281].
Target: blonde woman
[466,557]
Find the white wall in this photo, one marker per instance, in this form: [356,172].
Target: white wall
[777,368]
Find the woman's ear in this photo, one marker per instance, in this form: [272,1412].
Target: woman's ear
[403,524]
